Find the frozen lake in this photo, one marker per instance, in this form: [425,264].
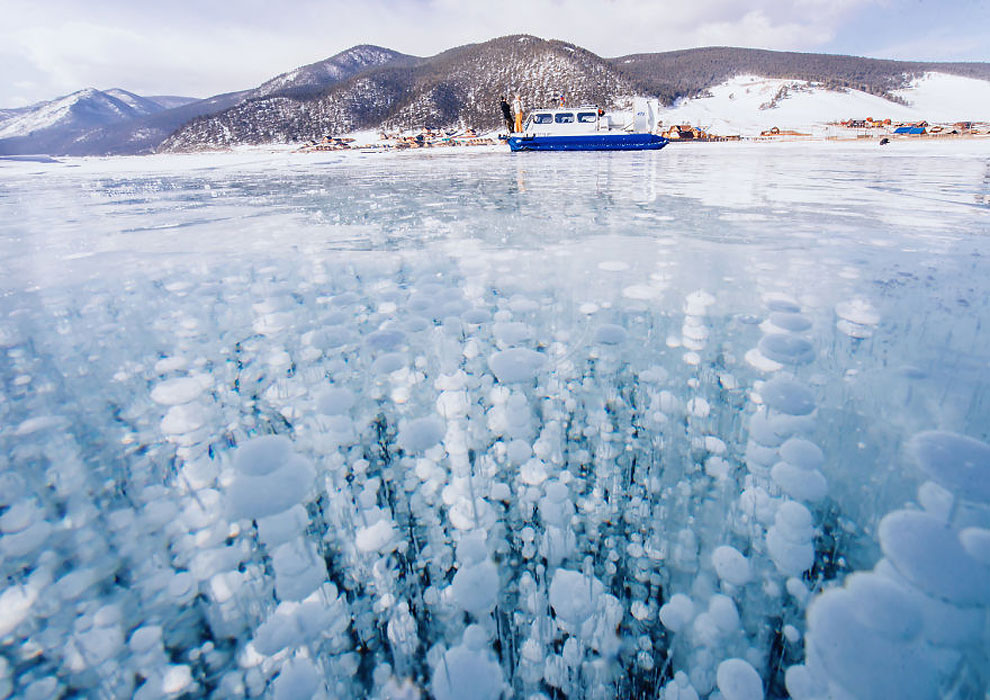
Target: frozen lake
[702,422]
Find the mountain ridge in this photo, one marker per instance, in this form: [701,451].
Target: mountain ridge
[370,87]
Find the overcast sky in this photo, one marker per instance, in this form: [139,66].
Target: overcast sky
[200,48]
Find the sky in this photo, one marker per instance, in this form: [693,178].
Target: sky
[199,48]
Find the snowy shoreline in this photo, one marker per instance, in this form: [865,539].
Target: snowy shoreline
[266,155]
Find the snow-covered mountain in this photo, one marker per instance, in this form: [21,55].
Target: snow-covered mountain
[733,91]
[134,124]
[458,87]
[728,90]
[316,76]
[747,105]
[84,109]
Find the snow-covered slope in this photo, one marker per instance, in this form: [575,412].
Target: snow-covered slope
[141,105]
[747,105]
[943,97]
[85,109]
[329,71]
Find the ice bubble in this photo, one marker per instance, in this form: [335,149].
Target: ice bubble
[533,472]
[510,333]
[857,311]
[15,605]
[936,500]
[698,407]
[182,586]
[420,434]
[146,638]
[883,606]
[976,542]
[262,455]
[731,566]
[761,362]
[476,316]
[463,672]
[959,463]
[611,334]
[679,688]
[472,548]
[787,396]
[799,484]
[279,529]
[183,419]
[389,362]
[640,292]
[175,363]
[330,338]
[802,453]
[677,612]
[795,520]
[783,305]
[12,488]
[854,330]
[377,537]
[177,679]
[20,516]
[928,553]
[786,349]
[26,541]
[518,451]
[613,266]
[704,631]
[298,570]
[523,305]
[717,468]
[335,401]
[298,679]
[860,660]
[793,322]
[475,588]
[738,680]
[723,613]
[275,492]
[765,431]
[573,597]
[789,539]
[516,364]
[179,390]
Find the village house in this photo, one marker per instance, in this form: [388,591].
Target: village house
[684,132]
[777,131]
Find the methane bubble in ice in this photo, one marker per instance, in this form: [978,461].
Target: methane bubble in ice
[738,680]
[262,455]
[928,553]
[335,401]
[802,453]
[466,672]
[793,322]
[420,434]
[787,396]
[516,364]
[786,348]
[610,334]
[959,463]
[731,566]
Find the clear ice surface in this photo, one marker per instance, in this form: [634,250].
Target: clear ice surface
[707,422]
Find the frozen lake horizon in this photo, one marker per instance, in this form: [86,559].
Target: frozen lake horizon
[710,421]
